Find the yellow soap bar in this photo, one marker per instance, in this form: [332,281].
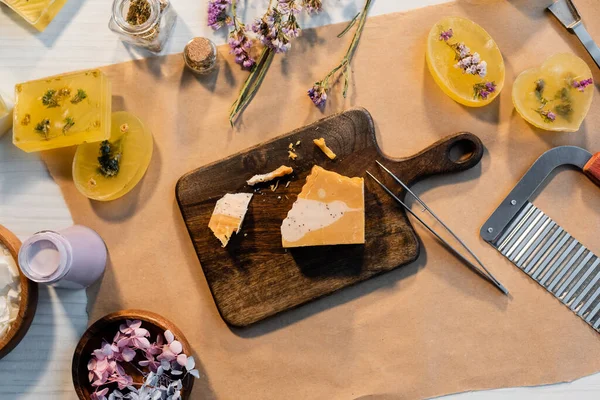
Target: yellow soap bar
[329,210]
[38,13]
[62,110]
[130,146]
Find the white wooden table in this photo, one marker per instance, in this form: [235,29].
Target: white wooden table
[78,38]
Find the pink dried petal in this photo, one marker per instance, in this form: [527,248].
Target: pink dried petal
[91,376]
[99,354]
[176,347]
[101,365]
[140,343]
[123,342]
[107,350]
[91,364]
[134,324]
[169,336]
[182,360]
[141,332]
[128,354]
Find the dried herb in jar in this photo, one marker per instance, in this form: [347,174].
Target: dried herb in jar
[139,12]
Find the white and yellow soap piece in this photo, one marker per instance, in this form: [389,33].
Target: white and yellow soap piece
[330,210]
[228,215]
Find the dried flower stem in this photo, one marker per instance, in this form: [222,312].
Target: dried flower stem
[252,84]
[318,93]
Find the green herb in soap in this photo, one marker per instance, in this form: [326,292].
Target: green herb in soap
[540,85]
[69,122]
[43,127]
[110,156]
[26,120]
[52,97]
[49,99]
[81,94]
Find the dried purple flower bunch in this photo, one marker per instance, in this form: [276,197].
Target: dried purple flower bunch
[318,93]
[312,6]
[217,13]
[581,85]
[470,63]
[164,362]
[240,45]
[275,30]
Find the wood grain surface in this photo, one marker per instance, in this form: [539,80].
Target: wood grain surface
[105,329]
[254,277]
[29,298]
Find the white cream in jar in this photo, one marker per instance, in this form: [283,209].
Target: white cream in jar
[10,290]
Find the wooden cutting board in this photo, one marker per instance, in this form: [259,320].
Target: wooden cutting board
[254,277]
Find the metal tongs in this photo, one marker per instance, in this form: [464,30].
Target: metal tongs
[483,273]
[566,12]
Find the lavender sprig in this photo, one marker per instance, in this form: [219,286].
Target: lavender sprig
[312,6]
[239,42]
[318,93]
[277,27]
[240,45]
[217,14]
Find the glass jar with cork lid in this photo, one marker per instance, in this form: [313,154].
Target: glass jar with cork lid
[200,55]
[143,23]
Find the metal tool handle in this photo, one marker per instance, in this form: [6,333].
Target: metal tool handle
[592,169]
[527,186]
[588,42]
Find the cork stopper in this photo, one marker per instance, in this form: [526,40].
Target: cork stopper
[200,55]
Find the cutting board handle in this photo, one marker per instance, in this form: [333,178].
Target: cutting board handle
[454,153]
[592,169]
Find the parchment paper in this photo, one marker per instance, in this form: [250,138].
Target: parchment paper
[427,329]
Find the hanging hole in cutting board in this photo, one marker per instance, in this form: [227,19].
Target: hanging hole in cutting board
[461,151]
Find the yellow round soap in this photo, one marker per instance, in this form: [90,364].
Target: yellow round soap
[110,169]
[465,61]
[557,95]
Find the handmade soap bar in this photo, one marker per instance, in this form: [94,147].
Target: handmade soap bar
[62,110]
[109,169]
[38,13]
[465,61]
[329,210]
[557,95]
[228,216]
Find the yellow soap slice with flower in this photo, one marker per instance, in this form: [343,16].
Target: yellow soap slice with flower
[465,61]
[555,96]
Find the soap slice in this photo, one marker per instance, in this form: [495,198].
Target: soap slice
[278,173]
[555,96]
[228,215]
[329,210]
[464,61]
[62,110]
[131,142]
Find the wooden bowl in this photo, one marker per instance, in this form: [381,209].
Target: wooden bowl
[29,298]
[105,329]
